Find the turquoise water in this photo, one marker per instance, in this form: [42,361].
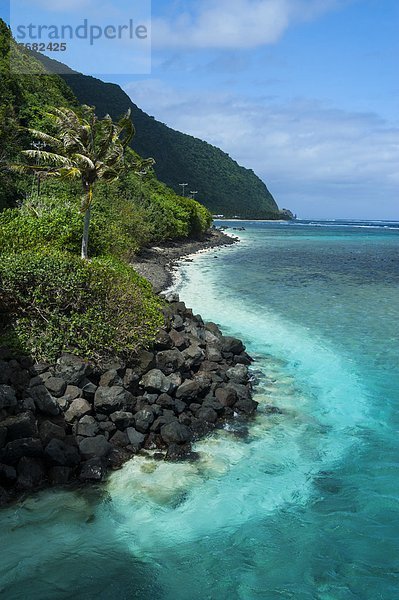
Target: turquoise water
[306,506]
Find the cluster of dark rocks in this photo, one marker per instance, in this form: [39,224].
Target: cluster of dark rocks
[73,420]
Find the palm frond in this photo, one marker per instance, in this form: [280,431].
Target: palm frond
[48,157]
[81,158]
[126,128]
[45,137]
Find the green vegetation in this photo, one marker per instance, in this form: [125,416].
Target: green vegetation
[50,300]
[224,186]
[58,302]
[82,147]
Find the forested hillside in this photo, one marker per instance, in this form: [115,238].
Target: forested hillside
[224,186]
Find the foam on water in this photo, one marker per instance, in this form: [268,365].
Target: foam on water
[324,409]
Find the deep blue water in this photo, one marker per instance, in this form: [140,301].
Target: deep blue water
[307,506]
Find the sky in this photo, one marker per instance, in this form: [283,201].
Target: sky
[304,92]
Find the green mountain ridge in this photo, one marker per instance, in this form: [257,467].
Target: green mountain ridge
[224,186]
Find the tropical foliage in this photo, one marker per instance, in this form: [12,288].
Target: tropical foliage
[51,300]
[82,147]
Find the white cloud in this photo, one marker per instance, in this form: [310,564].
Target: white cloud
[234,23]
[312,157]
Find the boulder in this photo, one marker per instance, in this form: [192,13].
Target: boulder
[26,362]
[247,406]
[110,378]
[185,419]
[211,339]
[213,354]
[189,390]
[176,432]
[227,396]
[78,409]
[204,381]
[16,449]
[243,392]
[175,380]
[59,475]
[156,381]
[110,399]
[49,430]
[238,374]
[213,328]
[19,378]
[72,392]
[40,379]
[7,397]
[107,427]
[72,369]
[93,447]
[206,413]
[143,420]
[179,406]
[92,470]
[122,419]
[144,361]
[179,339]
[165,401]
[163,341]
[56,386]
[232,345]
[88,391]
[136,439]
[131,380]
[160,421]
[60,453]
[87,427]
[4,496]
[200,427]
[193,355]
[31,473]
[209,367]
[20,426]
[119,439]
[211,402]
[39,368]
[44,400]
[178,452]
[243,359]
[5,372]
[169,361]
[3,436]
[178,322]
[8,474]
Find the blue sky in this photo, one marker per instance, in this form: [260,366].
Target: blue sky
[304,92]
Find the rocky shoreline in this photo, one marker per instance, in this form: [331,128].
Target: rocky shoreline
[72,421]
[157,263]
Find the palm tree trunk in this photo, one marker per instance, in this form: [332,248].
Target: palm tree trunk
[85,238]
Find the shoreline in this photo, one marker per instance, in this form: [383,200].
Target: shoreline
[67,424]
[157,263]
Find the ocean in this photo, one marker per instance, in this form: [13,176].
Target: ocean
[303,503]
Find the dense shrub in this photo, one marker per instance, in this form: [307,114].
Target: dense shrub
[51,303]
[56,229]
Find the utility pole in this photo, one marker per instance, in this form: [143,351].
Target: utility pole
[193,194]
[37,146]
[183,186]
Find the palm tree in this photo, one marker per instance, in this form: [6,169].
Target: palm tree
[83,147]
